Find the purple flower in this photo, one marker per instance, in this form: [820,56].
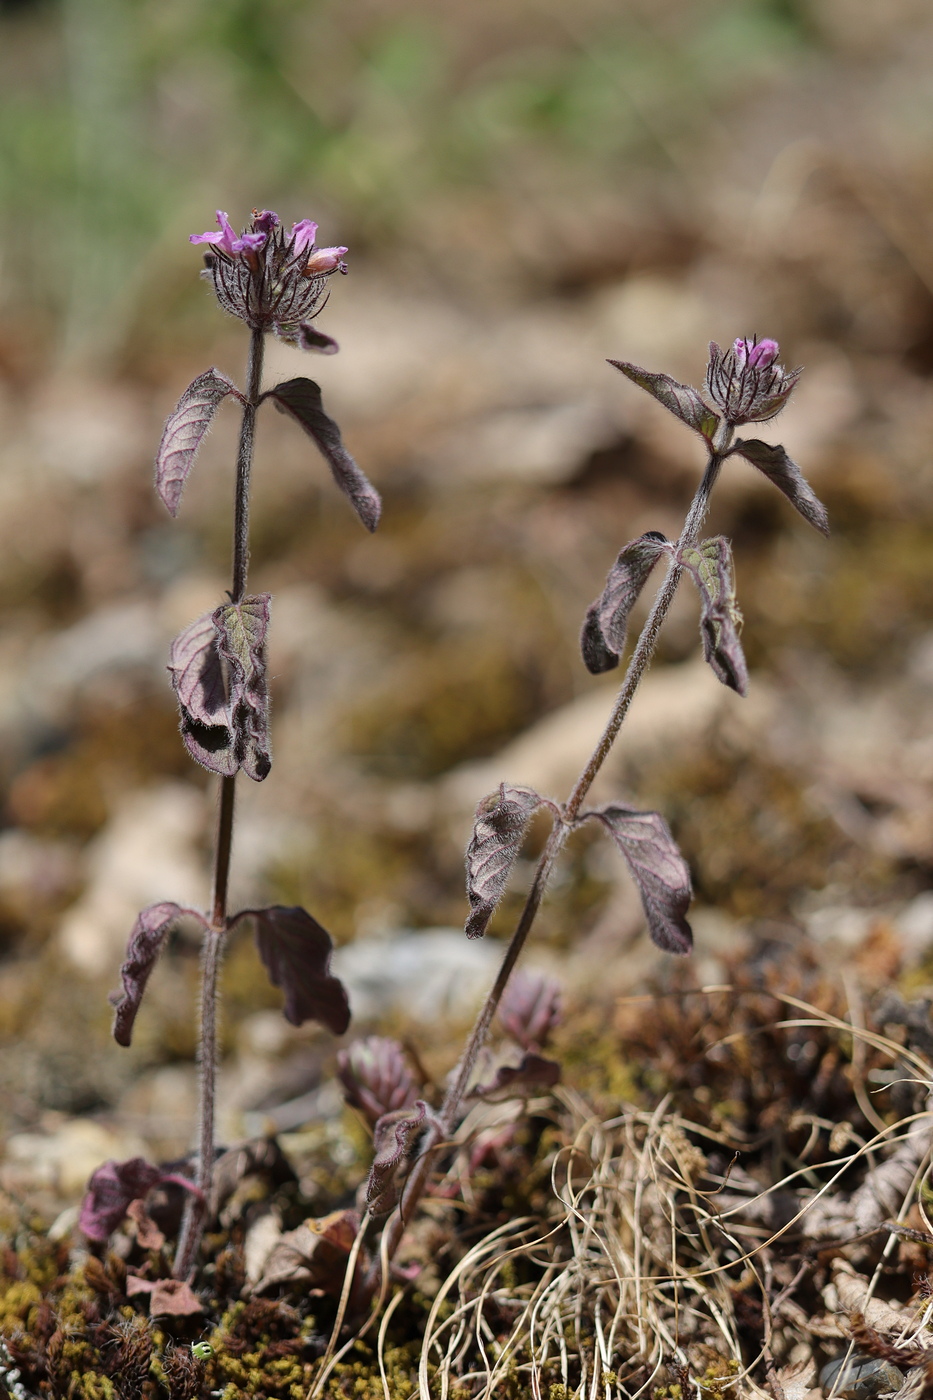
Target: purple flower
[324,260]
[745,384]
[228,241]
[265,221]
[303,235]
[758,354]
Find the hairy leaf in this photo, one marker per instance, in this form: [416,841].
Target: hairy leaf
[680,399]
[394,1138]
[302,399]
[710,566]
[787,477]
[296,952]
[606,622]
[597,658]
[518,1081]
[659,871]
[112,1189]
[310,338]
[146,942]
[241,629]
[376,1076]
[498,830]
[185,431]
[198,678]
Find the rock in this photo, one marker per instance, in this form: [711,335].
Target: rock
[427,976]
[63,1159]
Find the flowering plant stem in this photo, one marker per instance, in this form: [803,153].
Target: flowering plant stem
[215,937]
[445,1120]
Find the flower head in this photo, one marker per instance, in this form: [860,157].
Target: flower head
[746,384]
[272,280]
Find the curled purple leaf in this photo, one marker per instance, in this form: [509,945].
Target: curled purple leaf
[241,631]
[112,1189]
[146,942]
[710,566]
[302,399]
[198,678]
[310,338]
[296,953]
[680,399]
[185,431]
[498,830]
[376,1076]
[659,871]
[604,631]
[787,477]
[394,1139]
[518,1081]
[530,1008]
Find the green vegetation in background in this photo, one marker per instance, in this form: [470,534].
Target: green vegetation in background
[123,123]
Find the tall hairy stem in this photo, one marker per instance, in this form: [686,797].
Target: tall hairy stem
[215,939]
[638,665]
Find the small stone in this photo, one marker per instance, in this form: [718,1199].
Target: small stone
[860,1377]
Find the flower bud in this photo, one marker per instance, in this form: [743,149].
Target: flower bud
[376,1077]
[530,1009]
[745,384]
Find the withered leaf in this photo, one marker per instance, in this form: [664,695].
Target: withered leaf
[313,1256]
[680,399]
[710,567]
[302,399]
[146,942]
[172,1297]
[658,868]
[241,641]
[787,477]
[198,678]
[296,953]
[498,830]
[394,1138]
[606,625]
[148,1234]
[518,1081]
[185,431]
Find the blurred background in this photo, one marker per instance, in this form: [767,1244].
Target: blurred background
[526,188]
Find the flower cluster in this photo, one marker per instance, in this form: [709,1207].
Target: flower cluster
[272,280]
[746,384]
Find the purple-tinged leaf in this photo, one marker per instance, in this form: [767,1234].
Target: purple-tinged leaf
[787,477]
[241,630]
[680,399]
[710,566]
[310,338]
[518,1081]
[606,622]
[302,399]
[114,1186]
[597,658]
[530,1008]
[146,942]
[185,431]
[296,953]
[497,836]
[376,1076]
[394,1139]
[659,871]
[109,1192]
[198,678]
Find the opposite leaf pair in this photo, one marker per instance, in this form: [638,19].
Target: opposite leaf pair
[644,838]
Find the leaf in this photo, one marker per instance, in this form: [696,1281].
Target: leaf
[109,1192]
[787,477]
[198,678]
[241,630]
[302,399]
[394,1138]
[185,431]
[597,658]
[659,871]
[530,1008]
[518,1081]
[680,399]
[710,566]
[498,830]
[313,1256]
[173,1297]
[146,942]
[296,952]
[376,1076]
[607,619]
[310,338]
